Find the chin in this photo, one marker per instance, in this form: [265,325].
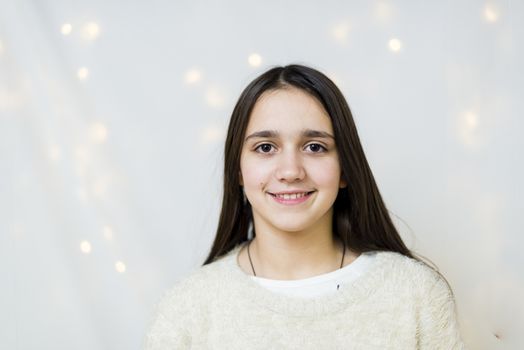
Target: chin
[291,226]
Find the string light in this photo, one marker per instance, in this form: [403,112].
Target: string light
[334,78]
[99,188]
[91,31]
[81,193]
[98,132]
[340,32]
[254,60]
[193,76]
[491,13]
[81,153]
[395,45]
[66,28]
[470,120]
[85,247]
[120,267]
[54,153]
[467,128]
[214,97]
[383,11]
[108,232]
[212,134]
[82,73]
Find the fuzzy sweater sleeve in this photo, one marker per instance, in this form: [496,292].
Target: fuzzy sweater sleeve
[438,326]
[168,328]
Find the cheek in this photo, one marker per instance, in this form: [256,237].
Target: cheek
[254,174]
[328,174]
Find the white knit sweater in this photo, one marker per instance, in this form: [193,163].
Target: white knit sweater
[399,303]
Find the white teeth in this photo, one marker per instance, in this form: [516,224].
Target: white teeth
[291,196]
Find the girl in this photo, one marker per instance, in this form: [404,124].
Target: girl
[305,255]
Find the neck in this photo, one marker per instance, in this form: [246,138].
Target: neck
[298,256]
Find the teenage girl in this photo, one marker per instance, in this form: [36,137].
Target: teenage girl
[305,254]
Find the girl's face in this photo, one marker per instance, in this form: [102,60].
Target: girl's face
[290,147]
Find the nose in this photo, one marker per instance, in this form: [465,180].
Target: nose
[290,167]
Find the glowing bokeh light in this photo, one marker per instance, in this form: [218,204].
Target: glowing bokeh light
[85,247]
[81,153]
[214,97]
[108,232]
[82,73]
[468,129]
[471,120]
[193,76]
[254,60]
[212,134]
[98,132]
[91,31]
[54,153]
[99,188]
[395,45]
[81,194]
[340,32]
[66,28]
[491,13]
[383,10]
[334,78]
[120,267]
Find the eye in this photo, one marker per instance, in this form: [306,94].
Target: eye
[265,147]
[316,148]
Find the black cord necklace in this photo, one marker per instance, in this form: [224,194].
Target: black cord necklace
[249,255]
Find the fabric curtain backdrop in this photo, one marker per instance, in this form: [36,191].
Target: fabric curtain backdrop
[112,123]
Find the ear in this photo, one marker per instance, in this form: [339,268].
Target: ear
[343,183]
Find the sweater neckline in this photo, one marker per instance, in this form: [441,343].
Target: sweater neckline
[303,307]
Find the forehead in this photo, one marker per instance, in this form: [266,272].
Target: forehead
[288,110]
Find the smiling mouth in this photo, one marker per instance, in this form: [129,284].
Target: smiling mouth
[288,196]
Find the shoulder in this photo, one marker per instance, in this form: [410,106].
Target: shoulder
[184,305]
[195,285]
[416,277]
[426,292]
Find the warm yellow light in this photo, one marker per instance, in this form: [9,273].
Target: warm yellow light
[491,13]
[468,129]
[254,60]
[120,267]
[81,193]
[214,97]
[193,76]
[82,73]
[471,120]
[334,78]
[66,28]
[82,153]
[212,134]
[383,10]
[108,232]
[85,247]
[98,132]
[91,31]
[54,153]
[99,188]
[340,32]
[395,45]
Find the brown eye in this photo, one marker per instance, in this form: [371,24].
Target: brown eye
[265,147]
[316,148]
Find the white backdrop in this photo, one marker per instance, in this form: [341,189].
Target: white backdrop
[112,122]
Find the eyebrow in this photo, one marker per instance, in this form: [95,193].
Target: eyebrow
[275,134]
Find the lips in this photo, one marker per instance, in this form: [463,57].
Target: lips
[291,195]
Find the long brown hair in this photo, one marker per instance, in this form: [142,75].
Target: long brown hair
[360,218]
